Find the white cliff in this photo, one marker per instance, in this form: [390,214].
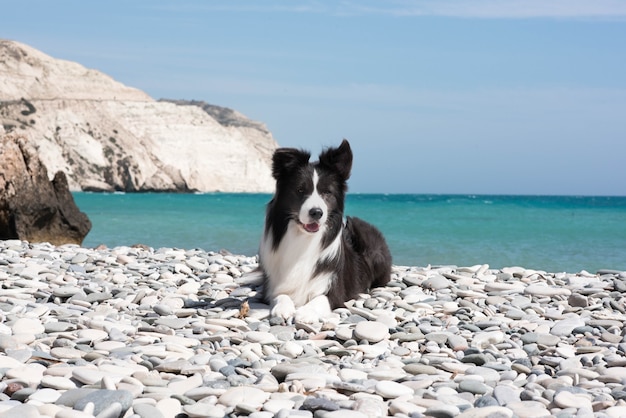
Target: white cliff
[107,136]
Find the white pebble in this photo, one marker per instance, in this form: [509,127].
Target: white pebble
[389,389]
[371,331]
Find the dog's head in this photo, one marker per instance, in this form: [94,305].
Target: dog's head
[312,193]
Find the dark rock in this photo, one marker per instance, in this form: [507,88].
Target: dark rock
[316,404]
[485,401]
[477,359]
[22,394]
[527,395]
[33,208]
[577,300]
[582,329]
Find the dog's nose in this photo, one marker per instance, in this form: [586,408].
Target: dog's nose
[316,213]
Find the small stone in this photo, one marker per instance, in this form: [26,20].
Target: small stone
[473,386]
[30,374]
[370,407]
[457,343]
[204,410]
[397,406]
[437,282]
[566,351]
[485,401]
[243,394]
[70,397]
[442,411]
[260,337]
[567,399]
[478,359]
[615,372]
[388,389]
[543,290]
[529,409]
[578,300]
[371,331]
[291,349]
[147,411]
[489,375]
[611,338]
[487,412]
[57,382]
[185,384]
[484,339]
[103,398]
[45,395]
[438,337]
[168,407]
[565,326]
[316,404]
[344,413]
[547,340]
[21,411]
[28,326]
[506,394]
[418,368]
[163,309]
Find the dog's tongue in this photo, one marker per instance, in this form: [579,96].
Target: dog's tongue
[313,227]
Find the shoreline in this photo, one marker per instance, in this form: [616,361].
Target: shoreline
[159,332]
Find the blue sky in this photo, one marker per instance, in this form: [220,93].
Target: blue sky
[446,96]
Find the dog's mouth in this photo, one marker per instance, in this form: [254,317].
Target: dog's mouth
[313,227]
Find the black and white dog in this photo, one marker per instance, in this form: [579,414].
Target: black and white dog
[311,258]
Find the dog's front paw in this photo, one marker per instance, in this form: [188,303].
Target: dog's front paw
[307,315]
[283,307]
[314,311]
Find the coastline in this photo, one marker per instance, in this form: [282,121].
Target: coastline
[159,332]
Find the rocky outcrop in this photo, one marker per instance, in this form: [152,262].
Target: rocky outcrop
[32,207]
[106,136]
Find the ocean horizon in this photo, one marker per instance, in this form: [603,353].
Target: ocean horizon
[551,233]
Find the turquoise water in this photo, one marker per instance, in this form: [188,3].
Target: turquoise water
[547,233]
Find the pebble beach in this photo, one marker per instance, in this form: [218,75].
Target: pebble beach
[150,333]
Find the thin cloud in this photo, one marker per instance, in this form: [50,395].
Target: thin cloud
[279,6]
[470,9]
[491,9]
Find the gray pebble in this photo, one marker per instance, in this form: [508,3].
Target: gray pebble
[103,398]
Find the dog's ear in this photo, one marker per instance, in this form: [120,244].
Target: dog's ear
[338,159]
[287,160]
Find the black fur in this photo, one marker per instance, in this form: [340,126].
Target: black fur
[366,262]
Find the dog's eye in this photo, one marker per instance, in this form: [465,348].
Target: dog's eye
[326,191]
[300,190]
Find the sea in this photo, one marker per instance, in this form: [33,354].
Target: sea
[551,233]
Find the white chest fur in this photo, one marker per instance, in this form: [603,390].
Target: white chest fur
[291,267]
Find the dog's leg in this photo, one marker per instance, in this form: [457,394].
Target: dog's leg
[314,311]
[283,306]
[254,278]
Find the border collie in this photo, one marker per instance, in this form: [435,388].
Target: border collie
[311,258]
